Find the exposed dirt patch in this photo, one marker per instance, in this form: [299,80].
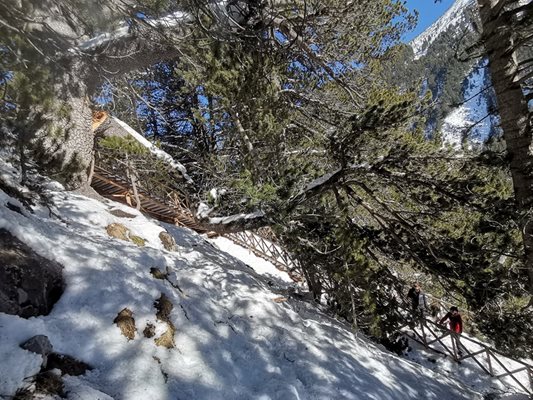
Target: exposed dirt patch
[158,274]
[118,231]
[67,365]
[139,241]
[164,307]
[167,338]
[121,214]
[126,323]
[149,331]
[49,383]
[168,241]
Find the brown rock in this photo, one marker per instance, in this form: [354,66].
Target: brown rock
[168,241]
[126,323]
[118,231]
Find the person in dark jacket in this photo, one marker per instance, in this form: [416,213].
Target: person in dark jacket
[456,326]
[417,298]
[412,295]
[419,304]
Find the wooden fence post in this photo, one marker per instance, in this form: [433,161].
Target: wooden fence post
[530,374]
[491,371]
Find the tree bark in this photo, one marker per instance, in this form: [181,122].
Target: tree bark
[500,41]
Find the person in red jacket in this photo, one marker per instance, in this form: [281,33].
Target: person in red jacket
[456,326]
[456,322]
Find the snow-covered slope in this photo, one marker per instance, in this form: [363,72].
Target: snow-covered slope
[472,118]
[232,340]
[462,91]
[453,17]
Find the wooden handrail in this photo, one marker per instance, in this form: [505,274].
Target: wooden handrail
[267,250]
[486,363]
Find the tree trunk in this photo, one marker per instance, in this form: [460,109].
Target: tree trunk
[500,42]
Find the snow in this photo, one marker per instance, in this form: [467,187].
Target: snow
[102,39]
[471,116]
[232,340]
[258,264]
[169,21]
[154,150]
[453,16]
[237,217]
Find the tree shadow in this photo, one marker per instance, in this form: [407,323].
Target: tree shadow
[231,342]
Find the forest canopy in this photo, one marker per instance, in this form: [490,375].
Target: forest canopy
[290,108]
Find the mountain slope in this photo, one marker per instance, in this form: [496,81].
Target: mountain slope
[451,19]
[232,341]
[463,98]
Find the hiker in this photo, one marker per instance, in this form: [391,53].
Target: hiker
[418,300]
[456,326]
[456,321]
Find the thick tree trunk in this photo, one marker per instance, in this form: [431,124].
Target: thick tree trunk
[500,42]
[70,149]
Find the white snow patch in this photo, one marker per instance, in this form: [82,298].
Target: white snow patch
[472,117]
[169,21]
[258,264]
[237,217]
[232,341]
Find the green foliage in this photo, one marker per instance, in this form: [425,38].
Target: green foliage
[257,194]
[508,322]
[124,145]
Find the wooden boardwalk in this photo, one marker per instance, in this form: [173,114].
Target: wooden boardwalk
[171,209]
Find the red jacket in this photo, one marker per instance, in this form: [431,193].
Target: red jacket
[456,322]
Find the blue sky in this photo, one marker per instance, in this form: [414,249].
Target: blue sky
[429,12]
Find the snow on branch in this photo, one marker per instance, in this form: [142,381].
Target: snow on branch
[168,22]
[162,155]
[236,222]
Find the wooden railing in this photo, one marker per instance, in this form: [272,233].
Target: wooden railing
[170,208]
[267,250]
[444,341]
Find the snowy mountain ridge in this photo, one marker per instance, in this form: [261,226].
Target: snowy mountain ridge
[465,121]
[453,17]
